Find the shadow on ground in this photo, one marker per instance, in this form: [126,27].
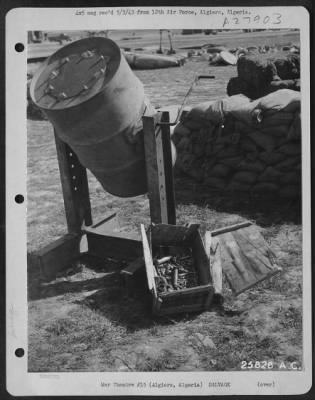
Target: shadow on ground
[264,210]
[108,295]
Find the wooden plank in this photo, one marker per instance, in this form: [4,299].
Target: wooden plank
[168,170]
[56,256]
[158,159]
[230,228]
[228,268]
[257,251]
[255,237]
[240,263]
[152,169]
[212,246]
[245,258]
[201,260]
[148,262]
[260,263]
[74,187]
[119,246]
[256,269]
[184,292]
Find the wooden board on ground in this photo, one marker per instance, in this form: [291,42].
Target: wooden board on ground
[246,257]
[56,256]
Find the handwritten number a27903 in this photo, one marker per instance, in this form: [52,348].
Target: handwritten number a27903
[274,19]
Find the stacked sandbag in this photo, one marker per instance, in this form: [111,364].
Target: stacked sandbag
[260,74]
[239,145]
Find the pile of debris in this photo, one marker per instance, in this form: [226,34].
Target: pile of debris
[260,74]
[237,144]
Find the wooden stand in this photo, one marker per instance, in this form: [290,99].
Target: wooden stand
[101,239]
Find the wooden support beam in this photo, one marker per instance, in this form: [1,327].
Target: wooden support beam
[165,150]
[158,158]
[74,187]
[231,228]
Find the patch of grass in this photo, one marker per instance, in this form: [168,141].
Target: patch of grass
[290,317]
[167,360]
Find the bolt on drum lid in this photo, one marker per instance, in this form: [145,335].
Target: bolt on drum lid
[75,73]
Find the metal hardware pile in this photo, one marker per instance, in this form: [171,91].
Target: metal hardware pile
[175,273]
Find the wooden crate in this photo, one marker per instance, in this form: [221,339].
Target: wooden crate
[175,239]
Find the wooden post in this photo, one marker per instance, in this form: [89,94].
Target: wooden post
[158,158]
[166,152]
[74,187]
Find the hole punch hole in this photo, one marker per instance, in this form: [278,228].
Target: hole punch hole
[19,199]
[19,352]
[19,47]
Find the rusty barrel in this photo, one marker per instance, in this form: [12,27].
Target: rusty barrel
[96,104]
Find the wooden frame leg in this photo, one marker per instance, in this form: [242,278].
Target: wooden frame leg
[158,158]
[74,187]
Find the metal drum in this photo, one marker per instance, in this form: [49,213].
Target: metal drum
[96,104]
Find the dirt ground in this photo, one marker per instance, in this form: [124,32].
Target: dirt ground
[84,319]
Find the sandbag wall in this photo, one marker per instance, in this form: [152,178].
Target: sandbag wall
[260,74]
[239,145]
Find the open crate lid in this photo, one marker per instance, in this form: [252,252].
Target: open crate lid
[245,256]
[150,271]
